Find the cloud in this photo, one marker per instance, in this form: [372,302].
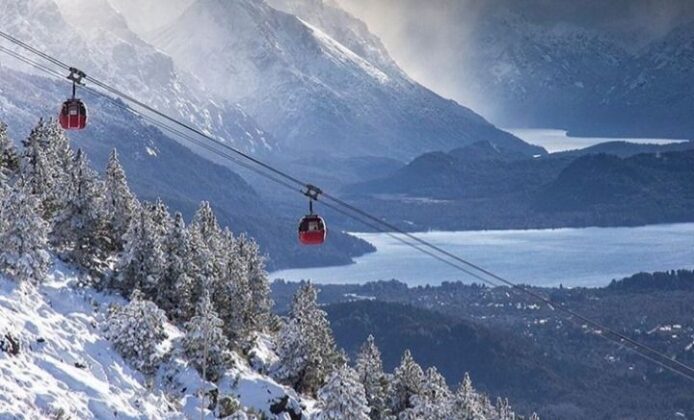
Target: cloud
[430,39]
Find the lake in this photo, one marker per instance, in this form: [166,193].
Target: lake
[558,140]
[572,257]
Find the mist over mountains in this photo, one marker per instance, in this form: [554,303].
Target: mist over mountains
[314,93]
[289,88]
[592,67]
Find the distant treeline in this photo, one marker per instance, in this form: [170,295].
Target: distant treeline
[668,280]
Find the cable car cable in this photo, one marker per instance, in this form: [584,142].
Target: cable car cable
[151,120]
[515,286]
[489,282]
[622,338]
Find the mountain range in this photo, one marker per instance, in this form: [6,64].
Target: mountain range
[483,186]
[617,68]
[314,93]
[300,83]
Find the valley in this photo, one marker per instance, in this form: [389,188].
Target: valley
[515,345]
[214,232]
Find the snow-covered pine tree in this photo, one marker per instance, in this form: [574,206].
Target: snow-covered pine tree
[466,403]
[258,282]
[142,263]
[59,150]
[80,230]
[206,325]
[4,190]
[486,407]
[503,408]
[342,397]
[41,173]
[9,159]
[175,288]
[244,291]
[234,298]
[369,368]
[406,383]
[435,398]
[120,202]
[201,271]
[211,252]
[161,218]
[23,236]
[205,222]
[136,330]
[306,347]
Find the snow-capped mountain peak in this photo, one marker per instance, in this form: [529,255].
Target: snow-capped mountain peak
[96,38]
[316,94]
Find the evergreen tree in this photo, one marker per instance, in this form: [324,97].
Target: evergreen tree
[23,237]
[234,297]
[211,253]
[369,368]
[80,229]
[46,165]
[486,408]
[244,298]
[258,283]
[306,347]
[200,275]
[4,190]
[466,404]
[40,171]
[435,398]
[406,383]
[136,330]
[206,326]
[174,293]
[59,151]
[343,397]
[503,409]
[120,203]
[9,159]
[142,263]
[161,218]
[205,223]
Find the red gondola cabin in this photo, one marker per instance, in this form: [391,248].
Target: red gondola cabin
[73,115]
[312,230]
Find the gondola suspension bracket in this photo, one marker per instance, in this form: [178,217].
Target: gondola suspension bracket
[73,113]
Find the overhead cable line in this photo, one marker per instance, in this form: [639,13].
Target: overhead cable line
[293,183]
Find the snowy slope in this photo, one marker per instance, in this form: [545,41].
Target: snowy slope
[66,366]
[58,331]
[343,28]
[313,92]
[143,17]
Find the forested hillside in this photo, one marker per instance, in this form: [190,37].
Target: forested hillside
[514,346]
[495,188]
[119,308]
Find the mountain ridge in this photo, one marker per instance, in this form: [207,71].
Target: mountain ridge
[314,93]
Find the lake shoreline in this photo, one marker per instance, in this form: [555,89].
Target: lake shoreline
[574,257]
[556,140]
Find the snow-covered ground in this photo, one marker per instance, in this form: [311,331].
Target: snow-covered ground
[66,367]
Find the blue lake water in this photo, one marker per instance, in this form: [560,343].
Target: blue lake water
[572,257]
[558,140]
